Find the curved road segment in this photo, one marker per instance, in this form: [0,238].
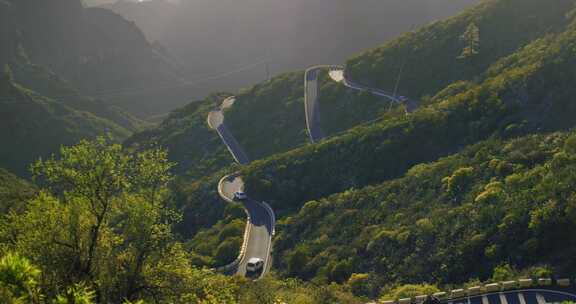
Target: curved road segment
[337,73]
[525,296]
[262,220]
[311,104]
[259,242]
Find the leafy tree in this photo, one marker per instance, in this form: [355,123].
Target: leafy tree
[502,273]
[19,280]
[459,180]
[471,38]
[341,271]
[228,251]
[363,284]
[409,291]
[297,262]
[102,219]
[570,145]
[77,294]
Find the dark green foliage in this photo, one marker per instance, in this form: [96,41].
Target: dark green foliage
[95,50]
[220,244]
[531,88]
[199,203]
[342,109]
[100,232]
[197,149]
[32,126]
[475,185]
[13,192]
[49,84]
[269,117]
[412,229]
[433,54]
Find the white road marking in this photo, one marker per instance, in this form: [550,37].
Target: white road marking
[540,299]
[521,298]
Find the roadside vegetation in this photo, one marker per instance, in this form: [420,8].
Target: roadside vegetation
[474,186]
[450,221]
[100,230]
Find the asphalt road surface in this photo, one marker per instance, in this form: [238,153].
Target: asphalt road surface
[216,122]
[337,74]
[526,296]
[260,237]
[311,104]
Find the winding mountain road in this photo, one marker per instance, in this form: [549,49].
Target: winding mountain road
[524,291]
[257,241]
[338,74]
[261,220]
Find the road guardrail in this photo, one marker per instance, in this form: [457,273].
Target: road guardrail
[504,286]
[247,229]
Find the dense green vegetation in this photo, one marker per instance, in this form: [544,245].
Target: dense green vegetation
[279,105]
[43,63]
[13,192]
[197,149]
[49,84]
[33,125]
[435,56]
[342,109]
[275,112]
[95,50]
[100,231]
[459,218]
[269,117]
[528,91]
[476,185]
[488,211]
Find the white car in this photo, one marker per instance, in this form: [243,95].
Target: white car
[240,195]
[254,264]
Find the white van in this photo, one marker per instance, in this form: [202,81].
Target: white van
[254,264]
[240,196]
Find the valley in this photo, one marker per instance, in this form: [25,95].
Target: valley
[439,163]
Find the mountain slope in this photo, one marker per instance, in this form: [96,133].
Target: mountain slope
[298,33]
[269,117]
[431,57]
[190,142]
[479,177]
[49,84]
[95,50]
[13,192]
[44,58]
[18,52]
[451,220]
[528,91]
[34,126]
